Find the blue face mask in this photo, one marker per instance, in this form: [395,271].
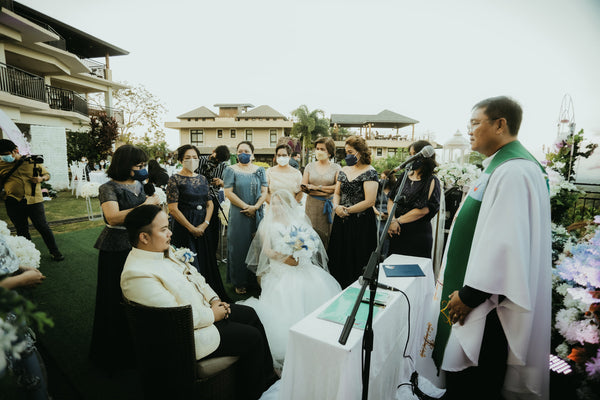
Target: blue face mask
[351,160]
[244,158]
[140,174]
[8,158]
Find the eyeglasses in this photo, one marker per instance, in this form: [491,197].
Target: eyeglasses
[471,126]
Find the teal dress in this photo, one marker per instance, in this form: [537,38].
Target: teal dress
[241,229]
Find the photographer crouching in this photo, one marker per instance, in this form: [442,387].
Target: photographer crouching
[212,168]
[21,178]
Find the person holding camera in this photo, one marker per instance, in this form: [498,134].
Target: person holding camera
[21,178]
[212,168]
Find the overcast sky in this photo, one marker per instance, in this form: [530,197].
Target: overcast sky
[428,60]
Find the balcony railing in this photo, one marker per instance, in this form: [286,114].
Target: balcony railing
[117,114]
[20,83]
[96,68]
[66,100]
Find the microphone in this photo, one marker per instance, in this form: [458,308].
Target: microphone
[361,280]
[426,152]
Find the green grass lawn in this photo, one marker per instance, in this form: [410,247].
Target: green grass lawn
[63,206]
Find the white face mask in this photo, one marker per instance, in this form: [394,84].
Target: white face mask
[321,155]
[283,161]
[191,164]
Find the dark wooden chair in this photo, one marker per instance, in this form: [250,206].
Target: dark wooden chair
[164,345]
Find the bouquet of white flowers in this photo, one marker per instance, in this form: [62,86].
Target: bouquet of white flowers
[4,231]
[301,242]
[162,197]
[90,189]
[457,175]
[25,250]
[557,182]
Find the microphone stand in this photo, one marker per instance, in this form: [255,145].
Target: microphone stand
[370,278]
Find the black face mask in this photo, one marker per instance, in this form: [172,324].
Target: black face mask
[417,164]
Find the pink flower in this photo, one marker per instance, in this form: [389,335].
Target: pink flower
[592,367]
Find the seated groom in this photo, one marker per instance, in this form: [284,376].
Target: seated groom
[152,276]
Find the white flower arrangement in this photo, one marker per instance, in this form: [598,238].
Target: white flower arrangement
[184,254]
[25,250]
[300,242]
[9,343]
[90,189]
[4,231]
[162,196]
[457,175]
[557,183]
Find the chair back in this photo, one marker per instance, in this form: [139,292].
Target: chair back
[163,338]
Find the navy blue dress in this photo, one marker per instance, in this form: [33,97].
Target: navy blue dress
[191,195]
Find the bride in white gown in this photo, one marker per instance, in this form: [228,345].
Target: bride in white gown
[291,263]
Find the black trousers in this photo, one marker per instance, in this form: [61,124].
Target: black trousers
[243,335]
[484,381]
[19,211]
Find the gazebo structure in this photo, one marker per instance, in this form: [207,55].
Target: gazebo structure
[381,145]
[456,148]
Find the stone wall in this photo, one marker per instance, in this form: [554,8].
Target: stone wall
[51,142]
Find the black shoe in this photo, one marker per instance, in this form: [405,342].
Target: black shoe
[57,257]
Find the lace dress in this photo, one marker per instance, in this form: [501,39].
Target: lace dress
[353,238]
[191,195]
[289,293]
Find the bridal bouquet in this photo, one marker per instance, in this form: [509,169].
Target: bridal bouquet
[162,197]
[300,242]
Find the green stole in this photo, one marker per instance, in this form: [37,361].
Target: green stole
[459,246]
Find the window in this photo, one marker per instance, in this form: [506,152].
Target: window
[379,152]
[273,137]
[249,135]
[219,133]
[232,134]
[197,136]
[392,152]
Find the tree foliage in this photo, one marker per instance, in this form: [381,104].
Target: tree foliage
[95,144]
[309,126]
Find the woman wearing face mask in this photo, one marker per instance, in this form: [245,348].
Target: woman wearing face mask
[282,176]
[188,196]
[246,188]
[410,231]
[319,182]
[354,231]
[111,346]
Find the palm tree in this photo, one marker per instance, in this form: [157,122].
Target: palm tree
[309,126]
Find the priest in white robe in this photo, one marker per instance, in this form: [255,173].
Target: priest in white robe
[493,332]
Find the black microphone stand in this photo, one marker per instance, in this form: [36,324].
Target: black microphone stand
[370,278]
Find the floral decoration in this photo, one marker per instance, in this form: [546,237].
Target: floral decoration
[457,175]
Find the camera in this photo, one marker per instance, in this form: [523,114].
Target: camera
[35,158]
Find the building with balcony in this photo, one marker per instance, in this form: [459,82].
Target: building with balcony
[263,126]
[47,71]
[382,144]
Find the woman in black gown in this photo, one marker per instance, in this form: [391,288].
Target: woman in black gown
[111,345]
[354,230]
[188,196]
[410,230]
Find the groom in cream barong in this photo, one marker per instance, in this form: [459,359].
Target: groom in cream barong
[493,295]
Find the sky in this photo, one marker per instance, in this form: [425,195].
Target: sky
[428,60]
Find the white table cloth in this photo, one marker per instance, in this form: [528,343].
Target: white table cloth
[318,367]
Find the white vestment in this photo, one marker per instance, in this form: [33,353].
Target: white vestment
[511,255]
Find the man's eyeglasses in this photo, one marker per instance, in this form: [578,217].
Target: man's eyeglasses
[474,124]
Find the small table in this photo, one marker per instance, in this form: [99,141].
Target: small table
[318,367]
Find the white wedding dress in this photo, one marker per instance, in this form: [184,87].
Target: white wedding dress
[289,293]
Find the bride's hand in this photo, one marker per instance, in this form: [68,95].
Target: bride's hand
[291,261]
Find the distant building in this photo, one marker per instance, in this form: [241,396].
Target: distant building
[46,72]
[263,126]
[381,145]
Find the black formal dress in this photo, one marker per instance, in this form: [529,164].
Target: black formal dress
[415,238]
[111,346]
[354,237]
[191,194]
